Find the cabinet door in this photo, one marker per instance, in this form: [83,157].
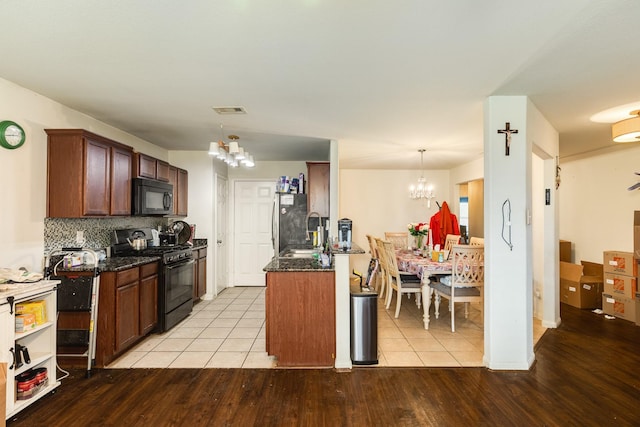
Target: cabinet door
[318,187]
[145,166]
[183,192]
[127,315]
[148,304]
[97,189]
[162,171]
[202,275]
[121,163]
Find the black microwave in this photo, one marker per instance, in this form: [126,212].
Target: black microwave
[151,197]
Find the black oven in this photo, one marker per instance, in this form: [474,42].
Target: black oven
[150,197]
[175,301]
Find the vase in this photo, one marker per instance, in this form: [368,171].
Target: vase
[418,241]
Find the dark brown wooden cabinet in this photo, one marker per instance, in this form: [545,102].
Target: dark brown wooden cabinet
[318,187]
[148,298]
[300,318]
[199,273]
[162,171]
[179,178]
[87,175]
[149,167]
[127,311]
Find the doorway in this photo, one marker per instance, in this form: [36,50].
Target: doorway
[221,248]
[252,220]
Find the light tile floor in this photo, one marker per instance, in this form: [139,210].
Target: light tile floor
[229,332]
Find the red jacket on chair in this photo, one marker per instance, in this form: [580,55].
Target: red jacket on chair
[442,223]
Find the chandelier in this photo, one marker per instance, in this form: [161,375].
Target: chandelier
[422,190]
[627,130]
[232,154]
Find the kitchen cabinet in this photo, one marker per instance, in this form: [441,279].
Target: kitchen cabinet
[318,187]
[179,178]
[148,298]
[40,343]
[127,312]
[149,167]
[127,309]
[87,175]
[199,273]
[300,318]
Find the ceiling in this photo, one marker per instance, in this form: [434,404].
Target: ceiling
[383,78]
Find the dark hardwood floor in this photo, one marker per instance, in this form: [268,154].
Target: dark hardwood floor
[587,373]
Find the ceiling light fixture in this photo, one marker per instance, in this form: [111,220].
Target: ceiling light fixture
[423,190]
[232,154]
[627,130]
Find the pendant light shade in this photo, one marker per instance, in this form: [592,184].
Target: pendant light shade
[627,130]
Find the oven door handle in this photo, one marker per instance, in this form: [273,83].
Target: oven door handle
[180,264]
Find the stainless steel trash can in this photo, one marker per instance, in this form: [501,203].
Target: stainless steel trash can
[364,326]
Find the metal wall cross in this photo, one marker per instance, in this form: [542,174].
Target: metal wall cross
[507,136]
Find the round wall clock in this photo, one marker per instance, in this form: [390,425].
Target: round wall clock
[11,135]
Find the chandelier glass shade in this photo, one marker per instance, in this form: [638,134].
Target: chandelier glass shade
[421,190]
[232,154]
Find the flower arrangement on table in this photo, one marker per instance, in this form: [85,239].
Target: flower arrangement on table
[418,230]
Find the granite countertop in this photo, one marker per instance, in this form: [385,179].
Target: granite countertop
[199,243]
[296,264]
[114,264]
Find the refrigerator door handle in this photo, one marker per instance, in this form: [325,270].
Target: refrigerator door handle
[273,225]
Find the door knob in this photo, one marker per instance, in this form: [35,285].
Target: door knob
[219,242]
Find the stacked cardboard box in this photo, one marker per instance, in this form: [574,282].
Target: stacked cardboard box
[38,308]
[581,285]
[565,250]
[620,284]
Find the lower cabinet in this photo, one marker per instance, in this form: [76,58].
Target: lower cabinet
[199,273]
[300,318]
[127,312]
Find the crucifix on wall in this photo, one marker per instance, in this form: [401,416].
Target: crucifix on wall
[507,131]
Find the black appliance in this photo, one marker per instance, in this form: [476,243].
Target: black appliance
[175,280]
[151,197]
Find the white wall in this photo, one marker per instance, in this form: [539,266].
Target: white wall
[269,170]
[23,171]
[596,209]
[378,201]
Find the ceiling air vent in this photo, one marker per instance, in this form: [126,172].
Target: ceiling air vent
[230,110]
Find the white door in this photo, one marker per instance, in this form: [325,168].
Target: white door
[222,258]
[253,206]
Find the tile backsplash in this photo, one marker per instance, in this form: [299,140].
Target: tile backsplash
[61,232]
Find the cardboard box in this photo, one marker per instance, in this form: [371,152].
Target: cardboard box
[578,290]
[620,263]
[592,269]
[617,284]
[25,322]
[619,306]
[38,308]
[565,250]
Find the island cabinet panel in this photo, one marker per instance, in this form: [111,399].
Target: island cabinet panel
[300,318]
[87,175]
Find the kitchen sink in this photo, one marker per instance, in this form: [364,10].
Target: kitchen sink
[300,253]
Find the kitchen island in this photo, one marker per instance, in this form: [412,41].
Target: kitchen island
[300,312]
[307,311]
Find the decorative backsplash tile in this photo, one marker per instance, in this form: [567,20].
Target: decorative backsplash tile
[61,232]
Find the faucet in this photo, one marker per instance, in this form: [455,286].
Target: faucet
[307,222]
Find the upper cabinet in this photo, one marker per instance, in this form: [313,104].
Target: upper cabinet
[149,167]
[87,175]
[318,187]
[179,178]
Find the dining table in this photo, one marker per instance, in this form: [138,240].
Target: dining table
[424,267]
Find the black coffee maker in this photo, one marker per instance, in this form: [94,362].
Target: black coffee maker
[344,234]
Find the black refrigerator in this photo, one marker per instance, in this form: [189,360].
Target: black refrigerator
[289,221]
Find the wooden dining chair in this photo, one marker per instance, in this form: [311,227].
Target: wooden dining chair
[449,241]
[382,262]
[476,241]
[399,239]
[402,283]
[466,283]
